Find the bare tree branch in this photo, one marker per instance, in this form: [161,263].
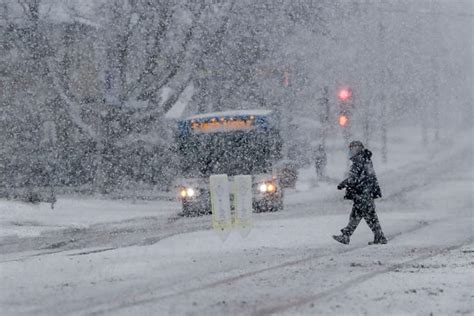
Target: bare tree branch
[150,63]
[72,108]
[24,6]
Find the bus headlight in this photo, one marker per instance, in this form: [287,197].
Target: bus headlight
[267,187]
[187,193]
[190,192]
[271,187]
[263,187]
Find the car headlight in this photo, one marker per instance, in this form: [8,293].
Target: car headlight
[262,187]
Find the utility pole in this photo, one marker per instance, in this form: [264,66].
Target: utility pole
[435,69]
[284,111]
[365,106]
[324,115]
[366,121]
[383,109]
[99,179]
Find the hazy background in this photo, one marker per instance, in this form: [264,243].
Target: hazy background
[90,90]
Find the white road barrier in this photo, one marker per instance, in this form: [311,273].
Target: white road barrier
[224,218]
[242,203]
[220,204]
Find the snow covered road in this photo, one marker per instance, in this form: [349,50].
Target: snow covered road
[155,263]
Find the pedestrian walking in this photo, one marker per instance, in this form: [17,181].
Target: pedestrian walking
[361,187]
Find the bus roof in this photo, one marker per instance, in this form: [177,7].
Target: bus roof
[236,113]
[227,121]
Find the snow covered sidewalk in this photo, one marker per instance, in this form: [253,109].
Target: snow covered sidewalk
[23,219]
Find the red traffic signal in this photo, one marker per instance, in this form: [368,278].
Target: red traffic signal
[344,94]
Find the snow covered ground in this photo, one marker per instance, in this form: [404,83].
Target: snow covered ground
[23,219]
[90,256]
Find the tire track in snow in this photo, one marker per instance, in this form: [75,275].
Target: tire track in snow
[279,308]
[242,276]
[137,232]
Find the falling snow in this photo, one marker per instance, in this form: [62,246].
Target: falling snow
[112,109]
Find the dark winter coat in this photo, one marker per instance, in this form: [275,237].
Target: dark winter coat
[361,180]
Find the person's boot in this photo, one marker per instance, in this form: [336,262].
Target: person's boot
[378,239]
[343,239]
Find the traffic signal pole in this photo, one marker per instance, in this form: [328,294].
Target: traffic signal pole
[383,110]
[324,117]
[346,100]
[285,120]
[384,132]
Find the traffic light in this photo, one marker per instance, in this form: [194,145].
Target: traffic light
[344,94]
[346,104]
[343,120]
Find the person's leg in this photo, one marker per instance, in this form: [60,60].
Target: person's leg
[354,220]
[372,220]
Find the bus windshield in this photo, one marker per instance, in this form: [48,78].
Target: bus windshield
[236,152]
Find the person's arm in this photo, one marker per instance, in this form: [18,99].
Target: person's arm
[352,179]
